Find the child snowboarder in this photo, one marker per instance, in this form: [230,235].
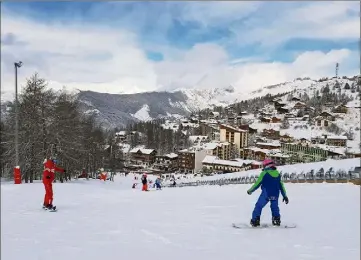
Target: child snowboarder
[158,183]
[271,185]
[48,177]
[144,182]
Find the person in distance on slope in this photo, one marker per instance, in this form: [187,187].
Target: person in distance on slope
[48,177]
[158,183]
[271,185]
[144,182]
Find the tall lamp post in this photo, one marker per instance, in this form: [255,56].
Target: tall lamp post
[17,65]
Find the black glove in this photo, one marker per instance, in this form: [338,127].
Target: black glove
[64,171]
[249,192]
[48,177]
[285,200]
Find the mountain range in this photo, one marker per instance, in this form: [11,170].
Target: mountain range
[117,110]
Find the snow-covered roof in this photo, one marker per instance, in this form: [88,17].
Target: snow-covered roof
[337,137]
[334,149]
[215,113]
[300,103]
[171,155]
[142,150]
[210,146]
[121,133]
[232,128]
[269,144]
[209,159]
[194,138]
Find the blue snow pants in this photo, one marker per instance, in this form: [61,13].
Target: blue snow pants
[158,186]
[261,202]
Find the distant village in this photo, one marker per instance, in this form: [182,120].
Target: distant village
[233,142]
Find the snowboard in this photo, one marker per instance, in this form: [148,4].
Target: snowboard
[264,225]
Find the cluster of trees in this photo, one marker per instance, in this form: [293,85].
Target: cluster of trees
[50,125]
[154,136]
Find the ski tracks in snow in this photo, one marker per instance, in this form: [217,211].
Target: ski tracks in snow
[156,236]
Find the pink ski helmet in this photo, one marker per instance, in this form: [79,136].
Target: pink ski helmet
[268,163]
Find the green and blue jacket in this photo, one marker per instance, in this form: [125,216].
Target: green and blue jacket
[270,183]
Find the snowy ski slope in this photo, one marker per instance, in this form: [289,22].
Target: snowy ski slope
[110,221]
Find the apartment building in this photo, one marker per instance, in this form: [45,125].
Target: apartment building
[190,160]
[340,141]
[223,150]
[235,135]
[303,153]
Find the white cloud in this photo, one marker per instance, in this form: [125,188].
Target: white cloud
[216,12]
[112,60]
[315,20]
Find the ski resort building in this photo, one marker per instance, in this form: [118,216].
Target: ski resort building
[214,163]
[235,135]
[190,160]
[166,162]
[222,150]
[141,156]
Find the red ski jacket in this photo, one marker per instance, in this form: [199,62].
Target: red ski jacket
[49,171]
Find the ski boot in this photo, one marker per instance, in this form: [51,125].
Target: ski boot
[255,222]
[51,207]
[276,221]
[45,206]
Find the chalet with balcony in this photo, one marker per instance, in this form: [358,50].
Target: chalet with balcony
[141,156]
[341,109]
[271,134]
[279,104]
[327,116]
[214,115]
[254,153]
[286,138]
[299,105]
[322,122]
[265,119]
[276,119]
[166,162]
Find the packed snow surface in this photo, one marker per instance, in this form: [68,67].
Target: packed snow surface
[109,220]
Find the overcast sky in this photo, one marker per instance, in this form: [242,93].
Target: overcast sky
[143,46]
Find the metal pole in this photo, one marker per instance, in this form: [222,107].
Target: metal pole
[17,65]
[16,117]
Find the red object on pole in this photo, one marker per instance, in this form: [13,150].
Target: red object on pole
[17,175]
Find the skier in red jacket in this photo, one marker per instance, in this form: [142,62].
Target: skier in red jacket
[48,177]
